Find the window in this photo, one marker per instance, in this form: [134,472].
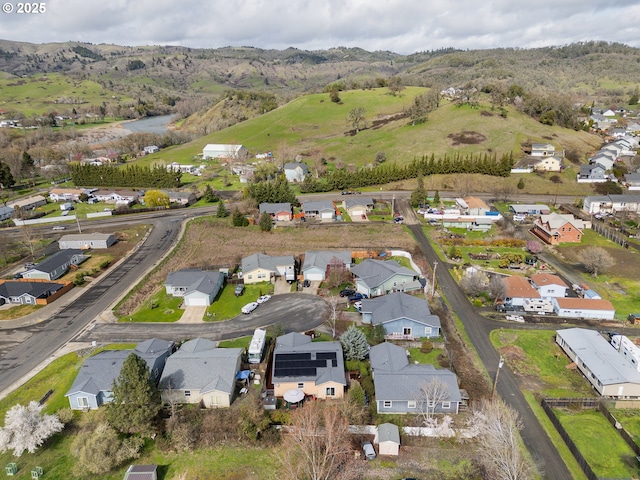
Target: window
[411,404]
[406,331]
[83,402]
[427,331]
[262,275]
[446,405]
[386,404]
[432,404]
[331,392]
[187,393]
[249,277]
[300,386]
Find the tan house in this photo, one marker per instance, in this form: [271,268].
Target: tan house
[316,368]
[259,267]
[551,163]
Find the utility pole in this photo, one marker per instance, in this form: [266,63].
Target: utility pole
[495,381]
[78,220]
[433,281]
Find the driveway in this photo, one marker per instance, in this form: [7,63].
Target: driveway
[192,315]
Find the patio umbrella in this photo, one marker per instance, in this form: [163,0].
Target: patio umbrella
[293,396]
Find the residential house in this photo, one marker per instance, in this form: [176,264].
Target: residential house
[630,180]
[84,241]
[322,209]
[296,171]
[542,150]
[398,383]
[318,265]
[201,373]
[118,197]
[608,372]
[627,349]
[27,204]
[141,472]
[403,317]
[530,209]
[604,158]
[316,368]
[358,207]
[550,163]
[182,168]
[471,223]
[556,228]
[223,151]
[472,206]
[613,149]
[182,198]
[591,308]
[380,277]
[93,385]
[149,149]
[280,212]
[65,194]
[56,265]
[549,285]
[517,291]
[6,213]
[388,439]
[28,293]
[197,287]
[260,267]
[611,203]
[609,112]
[592,173]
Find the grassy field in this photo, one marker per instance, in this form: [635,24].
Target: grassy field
[541,365]
[630,420]
[609,456]
[161,307]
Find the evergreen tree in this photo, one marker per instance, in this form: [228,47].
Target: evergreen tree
[436,198]
[521,184]
[222,210]
[265,222]
[135,398]
[6,179]
[238,218]
[354,343]
[209,195]
[419,195]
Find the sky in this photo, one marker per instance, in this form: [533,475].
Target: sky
[400,26]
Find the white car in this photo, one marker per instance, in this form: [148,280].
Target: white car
[59,227]
[263,299]
[249,307]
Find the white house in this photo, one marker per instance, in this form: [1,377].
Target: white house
[549,285]
[595,309]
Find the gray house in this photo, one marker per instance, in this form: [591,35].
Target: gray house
[6,213]
[93,385]
[379,277]
[86,240]
[398,383]
[198,287]
[27,293]
[403,317]
[201,373]
[322,209]
[295,171]
[318,264]
[592,173]
[56,265]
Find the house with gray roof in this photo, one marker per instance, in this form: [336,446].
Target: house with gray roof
[403,317]
[316,368]
[610,374]
[631,181]
[6,213]
[357,207]
[27,293]
[611,203]
[199,288]
[317,265]
[29,203]
[322,209]
[380,277]
[56,265]
[201,373]
[295,171]
[398,383]
[93,385]
[260,267]
[592,173]
[529,209]
[182,198]
[84,241]
[280,212]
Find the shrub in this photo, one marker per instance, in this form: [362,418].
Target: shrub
[426,346]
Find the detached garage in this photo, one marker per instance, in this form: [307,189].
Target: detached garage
[596,309]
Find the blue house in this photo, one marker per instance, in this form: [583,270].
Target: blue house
[403,317]
[399,385]
[380,277]
[93,385]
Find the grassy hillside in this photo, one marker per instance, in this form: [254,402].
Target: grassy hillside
[313,124]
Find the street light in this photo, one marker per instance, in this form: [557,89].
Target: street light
[495,381]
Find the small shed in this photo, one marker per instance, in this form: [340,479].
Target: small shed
[388,439]
[141,472]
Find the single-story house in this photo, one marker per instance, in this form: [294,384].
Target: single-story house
[596,309]
[201,373]
[606,159]
[529,209]
[214,150]
[323,209]
[28,203]
[65,194]
[93,385]
[550,163]
[6,212]
[549,285]
[517,290]
[468,222]
[556,228]
[318,265]
[380,277]
[542,150]
[182,168]
[358,207]
[28,293]
[118,197]
[316,368]
[295,171]
[197,287]
[56,265]
[182,198]
[149,149]
[141,472]
[259,267]
[388,439]
[398,383]
[608,372]
[472,206]
[403,317]
[83,241]
[630,180]
[280,212]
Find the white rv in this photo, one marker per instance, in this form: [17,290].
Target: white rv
[256,347]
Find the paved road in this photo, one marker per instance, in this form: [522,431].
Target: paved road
[478,329]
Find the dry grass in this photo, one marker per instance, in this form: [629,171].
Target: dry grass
[213,242]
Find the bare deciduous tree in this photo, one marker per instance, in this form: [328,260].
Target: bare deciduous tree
[496,288]
[333,302]
[474,284]
[596,260]
[428,397]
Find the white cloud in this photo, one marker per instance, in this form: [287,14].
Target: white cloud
[402,26]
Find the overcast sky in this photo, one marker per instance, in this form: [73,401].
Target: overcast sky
[401,26]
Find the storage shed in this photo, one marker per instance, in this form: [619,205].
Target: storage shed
[388,439]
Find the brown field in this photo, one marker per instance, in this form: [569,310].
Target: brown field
[213,242]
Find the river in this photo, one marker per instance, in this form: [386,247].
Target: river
[157,124]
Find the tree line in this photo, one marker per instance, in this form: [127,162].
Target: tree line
[129,176]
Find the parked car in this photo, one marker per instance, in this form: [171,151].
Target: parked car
[263,299]
[17,276]
[306,284]
[369,451]
[347,292]
[239,290]
[59,227]
[357,296]
[249,307]
[398,220]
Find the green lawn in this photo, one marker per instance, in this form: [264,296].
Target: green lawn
[535,354]
[242,342]
[227,305]
[603,448]
[159,308]
[430,358]
[630,420]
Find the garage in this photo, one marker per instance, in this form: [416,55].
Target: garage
[196,299]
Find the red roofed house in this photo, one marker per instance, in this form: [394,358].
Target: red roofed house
[549,285]
[555,229]
[517,290]
[597,309]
